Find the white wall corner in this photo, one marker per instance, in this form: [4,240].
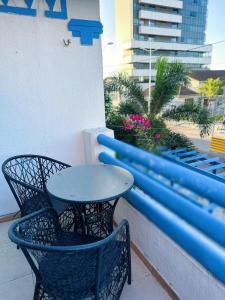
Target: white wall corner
[91,145]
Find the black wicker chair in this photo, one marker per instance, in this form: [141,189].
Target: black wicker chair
[26,176]
[96,270]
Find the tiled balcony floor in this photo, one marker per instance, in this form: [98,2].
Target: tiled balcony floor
[17,281]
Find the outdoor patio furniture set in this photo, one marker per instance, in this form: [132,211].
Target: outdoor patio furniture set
[66,231]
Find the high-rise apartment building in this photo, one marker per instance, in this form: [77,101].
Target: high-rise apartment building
[170,28]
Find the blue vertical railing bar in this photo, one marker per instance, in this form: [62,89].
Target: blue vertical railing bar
[181,206]
[27,11]
[211,256]
[185,176]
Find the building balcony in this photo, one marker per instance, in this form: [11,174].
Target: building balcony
[160,16]
[161,31]
[163,45]
[206,60]
[177,240]
[165,3]
[17,280]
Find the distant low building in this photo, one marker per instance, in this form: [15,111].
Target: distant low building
[199,77]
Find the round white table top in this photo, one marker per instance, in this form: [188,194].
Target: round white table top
[90,183]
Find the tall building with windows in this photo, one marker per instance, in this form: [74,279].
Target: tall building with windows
[170,28]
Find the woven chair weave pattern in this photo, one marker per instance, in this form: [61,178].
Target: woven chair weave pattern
[69,273]
[27,177]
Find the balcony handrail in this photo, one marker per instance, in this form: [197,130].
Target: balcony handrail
[198,232]
[206,252]
[181,206]
[204,185]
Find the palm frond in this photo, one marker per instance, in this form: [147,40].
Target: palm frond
[170,77]
[191,112]
[128,88]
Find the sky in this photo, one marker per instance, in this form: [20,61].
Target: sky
[215,32]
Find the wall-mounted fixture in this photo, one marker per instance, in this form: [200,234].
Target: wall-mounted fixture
[66,42]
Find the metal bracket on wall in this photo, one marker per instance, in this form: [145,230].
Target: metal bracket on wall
[86,30]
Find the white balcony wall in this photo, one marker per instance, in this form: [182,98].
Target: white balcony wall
[184,274]
[159,16]
[159,31]
[49,93]
[164,3]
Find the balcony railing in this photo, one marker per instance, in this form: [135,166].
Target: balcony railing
[159,178]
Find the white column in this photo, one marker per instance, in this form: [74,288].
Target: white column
[92,147]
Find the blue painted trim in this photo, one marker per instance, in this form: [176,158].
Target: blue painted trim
[181,206]
[55,14]
[189,177]
[19,10]
[179,155]
[205,162]
[168,152]
[196,157]
[206,252]
[86,30]
[215,167]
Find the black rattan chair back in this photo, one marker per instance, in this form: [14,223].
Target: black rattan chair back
[27,176]
[89,271]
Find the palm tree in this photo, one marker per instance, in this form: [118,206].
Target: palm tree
[170,77]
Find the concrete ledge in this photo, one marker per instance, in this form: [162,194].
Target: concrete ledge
[10,217]
[179,270]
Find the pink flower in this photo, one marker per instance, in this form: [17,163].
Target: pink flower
[157,136]
[132,117]
[147,123]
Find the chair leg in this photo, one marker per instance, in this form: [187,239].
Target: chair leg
[38,292]
[129,274]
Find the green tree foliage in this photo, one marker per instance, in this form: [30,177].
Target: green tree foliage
[191,112]
[170,77]
[211,88]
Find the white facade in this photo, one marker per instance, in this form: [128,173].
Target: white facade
[49,93]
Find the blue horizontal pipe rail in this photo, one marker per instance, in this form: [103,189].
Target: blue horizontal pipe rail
[197,181]
[180,205]
[207,253]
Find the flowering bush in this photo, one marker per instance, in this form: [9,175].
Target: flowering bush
[136,122]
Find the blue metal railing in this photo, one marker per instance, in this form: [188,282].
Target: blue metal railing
[210,254]
[195,159]
[206,186]
[203,250]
